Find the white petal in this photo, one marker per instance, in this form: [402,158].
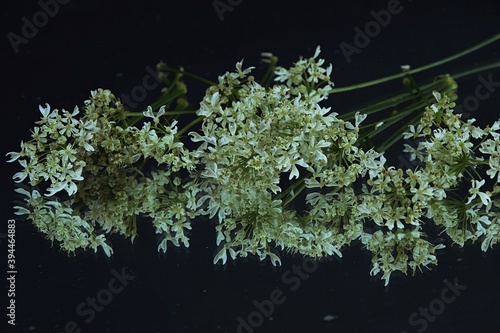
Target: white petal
[215,98]
[317,52]
[149,112]
[45,111]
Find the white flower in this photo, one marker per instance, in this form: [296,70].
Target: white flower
[68,154]
[20,176]
[494,164]
[156,118]
[211,171]
[474,190]
[440,134]
[495,127]
[275,260]
[55,187]
[242,72]
[215,99]
[101,241]
[295,172]
[44,111]
[317,52]
[14,155]
[423,192]
[149,112]
[359,117]
[161,111]
[222,254]
[437,95]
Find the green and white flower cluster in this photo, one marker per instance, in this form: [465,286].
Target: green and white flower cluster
[277,170]
[252,137]
[457,154]
[97,160]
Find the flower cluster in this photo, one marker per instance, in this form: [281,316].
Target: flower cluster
[251,136]
[458,154]
[276,169]
[97,160]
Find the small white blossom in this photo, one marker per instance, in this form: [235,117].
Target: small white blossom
[474,191]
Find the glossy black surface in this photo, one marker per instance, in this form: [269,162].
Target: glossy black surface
[92,44]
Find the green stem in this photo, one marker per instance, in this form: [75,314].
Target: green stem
[416,108]
[419,69]
[414,89]
[301,186]
[396,136]
[166,99]
[268,76]
[171,112]
[476,70]
[188,126]
[446,81]
[136,119]
[193,76]
[296,183]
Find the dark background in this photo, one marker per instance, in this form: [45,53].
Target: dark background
[92,44]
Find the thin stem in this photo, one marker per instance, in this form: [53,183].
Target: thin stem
[136,119]
[413,86]
[389,121]
[193,76]
[171,112]
[301,186]
[167,98]
[188,126]
[396,136]
[419,69]
[416,108]
[476,70]
[401,98]
[268,76]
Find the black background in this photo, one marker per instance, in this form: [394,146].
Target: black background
[92,44]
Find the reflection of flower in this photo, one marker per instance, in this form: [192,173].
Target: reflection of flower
[95,161]
[258,148]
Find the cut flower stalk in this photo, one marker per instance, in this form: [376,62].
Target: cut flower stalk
[253,151]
